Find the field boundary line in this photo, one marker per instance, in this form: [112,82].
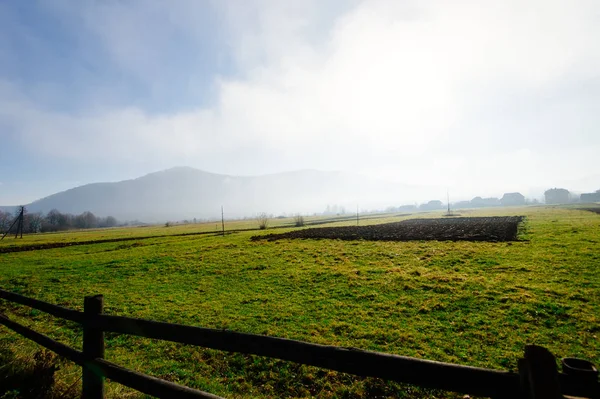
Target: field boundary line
[55,245]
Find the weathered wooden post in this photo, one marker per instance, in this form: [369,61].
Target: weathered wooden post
[539,375]
[93,347]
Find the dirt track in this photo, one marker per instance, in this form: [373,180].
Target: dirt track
[497,228]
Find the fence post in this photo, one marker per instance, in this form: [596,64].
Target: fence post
[93,347]
[539,376]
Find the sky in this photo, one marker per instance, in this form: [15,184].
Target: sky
[477,97]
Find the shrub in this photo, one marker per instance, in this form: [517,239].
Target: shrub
[299,220]
[263,220]
[31,377]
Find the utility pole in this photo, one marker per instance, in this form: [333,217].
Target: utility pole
[22,220]
[223,220]
[448,199]
[19,221]
[20,228]
[357,214]
[18,225]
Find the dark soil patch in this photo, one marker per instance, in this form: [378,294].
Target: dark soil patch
[591,209]
[494,229]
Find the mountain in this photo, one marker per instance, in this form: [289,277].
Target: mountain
[187,193]
[9,209]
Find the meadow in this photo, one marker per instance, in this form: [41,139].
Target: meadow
[471,303]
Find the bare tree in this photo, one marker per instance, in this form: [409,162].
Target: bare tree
[56,221]
[110,221]
[263,220]
[33,222]
[5,221]
[299,220]
[86,220]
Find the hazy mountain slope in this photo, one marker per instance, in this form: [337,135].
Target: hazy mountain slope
[185,193]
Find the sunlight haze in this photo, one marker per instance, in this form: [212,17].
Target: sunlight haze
[477,98]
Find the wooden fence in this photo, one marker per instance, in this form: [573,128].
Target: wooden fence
[538,376]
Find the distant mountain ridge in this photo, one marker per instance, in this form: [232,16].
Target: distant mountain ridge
[9,209]
[186,193]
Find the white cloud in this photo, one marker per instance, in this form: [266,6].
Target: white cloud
[415,91]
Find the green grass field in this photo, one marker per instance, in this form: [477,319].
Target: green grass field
[469,303]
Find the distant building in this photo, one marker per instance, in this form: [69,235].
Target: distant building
[591,197]
[432,205]
[556,196]
[511,199]
[407,208]
[478,202]
[461,205]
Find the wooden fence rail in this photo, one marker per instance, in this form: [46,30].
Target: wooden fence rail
[536,369]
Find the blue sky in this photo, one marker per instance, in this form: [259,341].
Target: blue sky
[58,53]
[480,99]
[56,56]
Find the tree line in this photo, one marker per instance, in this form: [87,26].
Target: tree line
[54,220]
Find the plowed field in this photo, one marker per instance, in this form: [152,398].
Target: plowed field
[496,228]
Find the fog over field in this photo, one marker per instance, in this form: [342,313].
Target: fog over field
[187,193]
